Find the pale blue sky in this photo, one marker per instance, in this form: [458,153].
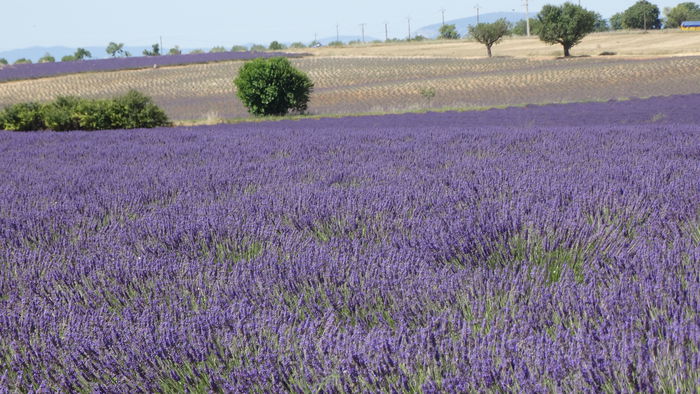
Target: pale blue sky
[206,23]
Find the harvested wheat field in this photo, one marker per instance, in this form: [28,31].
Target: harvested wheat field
[622,43]
[362,84]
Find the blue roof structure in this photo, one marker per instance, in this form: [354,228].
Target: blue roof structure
[691,24]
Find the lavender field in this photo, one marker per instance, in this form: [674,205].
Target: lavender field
[38,70]
[534,249]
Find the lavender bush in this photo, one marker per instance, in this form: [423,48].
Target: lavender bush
[26,71]
[428,252]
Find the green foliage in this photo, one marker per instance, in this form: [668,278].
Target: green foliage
[600,25]
[273,87]
[194,51]
[520,27]
[257,48]
[61,115]
[314,44]
[136,110]
[490,34]
[22,117]
[116,50]
[336,44]
[687,11]
[449,32]
[276,46]
[642,15]
[616,22]
[217,49]
[82,54]
[155,51]
[175,51]
[68,58]
[239,48]
[23,61]
[418,38]
[566,25]
[47,58]
[298,45]
[3,61]
[133,110]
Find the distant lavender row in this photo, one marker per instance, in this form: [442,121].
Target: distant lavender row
[406,253]
[26,71]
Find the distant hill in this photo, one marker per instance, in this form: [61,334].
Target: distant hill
[462,24]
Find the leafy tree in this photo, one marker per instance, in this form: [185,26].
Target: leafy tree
[566,25]
[116,50]
[273,87]
[449,32]
[641,15]
[47,58]
[195,51]
[155,51]
[600,25]
[257,48]
[315,44]
[82,54]
[239,48]
[23,61]
[217,49]
[3,61]
[688,11]
[175,51]
[520,27]
[276,46]
[298,45]
[490,34]
[418,38]
[68,58]
[616,22]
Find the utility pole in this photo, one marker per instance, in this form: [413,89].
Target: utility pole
[161,45]
[337,33]
[443,15]
[527,18]
[477,14]
[386,31]
[409,28]
[363,31]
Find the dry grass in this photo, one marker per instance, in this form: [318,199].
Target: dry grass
[359,84]
[622,43]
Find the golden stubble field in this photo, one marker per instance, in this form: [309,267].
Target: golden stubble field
[404,77]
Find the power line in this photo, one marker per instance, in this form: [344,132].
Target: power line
[409,28]
[527,17]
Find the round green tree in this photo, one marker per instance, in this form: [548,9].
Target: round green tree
[273,87]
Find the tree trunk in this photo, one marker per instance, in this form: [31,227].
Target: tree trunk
[488,49]
[566,51]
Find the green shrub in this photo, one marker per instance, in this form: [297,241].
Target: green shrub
[273,87]
[95,115]
[136,110]
[133,110]
[22,117]
[62,114]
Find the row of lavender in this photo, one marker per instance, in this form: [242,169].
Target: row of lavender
[38,70]
[398,253]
